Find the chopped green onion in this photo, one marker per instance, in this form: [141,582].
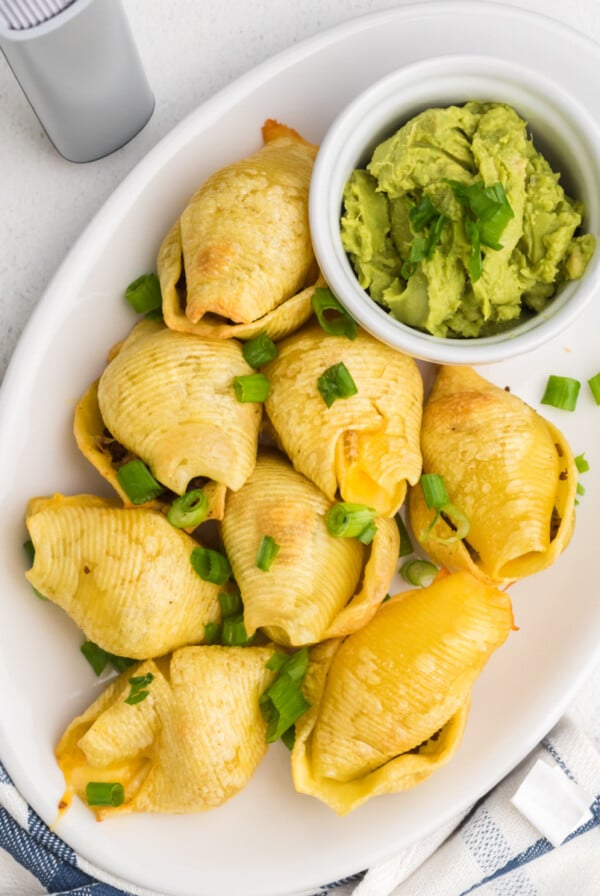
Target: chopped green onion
[104,793]
[252,387]
[267,551]
[212,566]
[346,520]
[332,316]
[138,483]
[458,520]
[434,490]
[561,392]
[212,633]
[144,294]
[405,542]
[436,498]
[230,603]
[138,690]
[419,572]
[336,382]
[188,510]
[580,489]
[283,702]
[120,663]
[581,464]
[98,658]
[233,632]
[488,211]
[259,351]
[29,549]
[594,384]
[289,737]
[421,214]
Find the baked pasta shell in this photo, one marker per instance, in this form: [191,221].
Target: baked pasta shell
[507,468]
[389,702]
[243,241]
[318,585]
[123,575]
[191,744]
[365,447]
[107,456]
[169,398]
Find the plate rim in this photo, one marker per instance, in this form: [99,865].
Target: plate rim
[146,170]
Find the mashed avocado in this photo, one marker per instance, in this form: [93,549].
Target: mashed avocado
[458,226]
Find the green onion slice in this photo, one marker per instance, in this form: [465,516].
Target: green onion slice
[336,382]
[580,489]
[259,351]
[405,542]
[289,737]
[144,294]
[267,551]
[252,387]
[345,520]
[138,483]
[594,384]
[233,632]
[419,572]
[283,702]
[434,490]
[459,522]
[188,510]
[561,392]
[98,658]
[104,793]
[488,212]
[212,566]
[332,316]
[29,549]
[138,690]
[230,603]
[212,633]
[421,214]
[581,464]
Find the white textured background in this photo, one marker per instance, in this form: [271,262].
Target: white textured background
[190,49]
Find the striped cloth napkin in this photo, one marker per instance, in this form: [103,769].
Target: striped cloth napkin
[537,833]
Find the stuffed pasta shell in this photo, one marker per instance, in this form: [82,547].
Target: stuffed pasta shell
[180,734]
[241,251]
[123,575]
[389,703]
[364,447]
[108,456]
[169,398]
[506,468]
[318,585]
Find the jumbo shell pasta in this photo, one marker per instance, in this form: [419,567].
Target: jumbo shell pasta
[507,468]
[242,246]
[123,575]
[107,455]
[389,702]
[366,446]
[169,398]
[192,743]
[318,586]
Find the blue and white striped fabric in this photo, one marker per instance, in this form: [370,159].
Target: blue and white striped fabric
[492,851]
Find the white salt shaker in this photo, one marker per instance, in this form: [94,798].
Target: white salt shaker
[80,70]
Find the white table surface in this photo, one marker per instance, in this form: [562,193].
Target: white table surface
[190,49]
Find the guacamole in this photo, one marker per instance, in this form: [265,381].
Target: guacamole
[458,226]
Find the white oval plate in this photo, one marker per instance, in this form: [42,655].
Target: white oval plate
[270,840]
